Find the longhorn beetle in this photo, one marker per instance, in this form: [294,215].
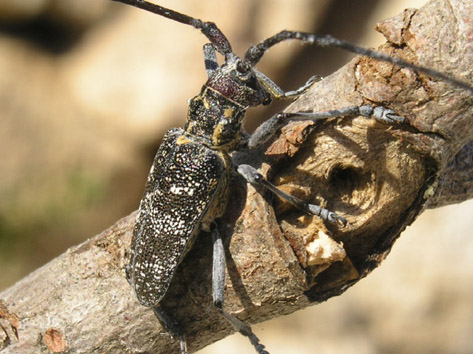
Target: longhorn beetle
[187,185]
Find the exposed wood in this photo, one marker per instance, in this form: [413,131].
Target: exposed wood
[378,177]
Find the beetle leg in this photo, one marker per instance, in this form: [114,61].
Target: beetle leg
[171,326]
[210,59]
[278,92]
[252,176]
[267,129]
[218,288]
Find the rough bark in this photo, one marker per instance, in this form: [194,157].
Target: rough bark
[280,260]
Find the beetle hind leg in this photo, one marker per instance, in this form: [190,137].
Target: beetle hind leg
[218,288]
[171,326]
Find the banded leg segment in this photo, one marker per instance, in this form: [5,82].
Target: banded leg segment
[218,289]
[252,176]
[210,59]
[267,129]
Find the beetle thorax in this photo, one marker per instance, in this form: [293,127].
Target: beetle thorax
[216,115]
[214,119]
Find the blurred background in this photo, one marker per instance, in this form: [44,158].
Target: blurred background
[88,88]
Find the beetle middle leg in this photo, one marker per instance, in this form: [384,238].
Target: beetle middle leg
[252,176]
[218,288]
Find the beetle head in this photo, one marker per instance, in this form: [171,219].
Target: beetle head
[237,81]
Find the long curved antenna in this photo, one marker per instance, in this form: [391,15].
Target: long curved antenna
[255,52]
[209,29]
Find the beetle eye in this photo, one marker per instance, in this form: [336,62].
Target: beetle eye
[267,101]
[242,67]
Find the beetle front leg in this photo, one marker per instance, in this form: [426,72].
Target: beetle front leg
[210,59]
[218,290]
[277,92]
[268,128]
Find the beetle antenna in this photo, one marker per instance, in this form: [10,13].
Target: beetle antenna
[209,29]
[255,52]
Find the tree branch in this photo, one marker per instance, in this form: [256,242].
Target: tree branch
[279,260]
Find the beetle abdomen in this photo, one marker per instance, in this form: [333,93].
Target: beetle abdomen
[184,183]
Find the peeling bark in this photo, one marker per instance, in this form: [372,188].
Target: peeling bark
[378,177]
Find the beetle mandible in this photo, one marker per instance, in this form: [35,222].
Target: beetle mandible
[187,189]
